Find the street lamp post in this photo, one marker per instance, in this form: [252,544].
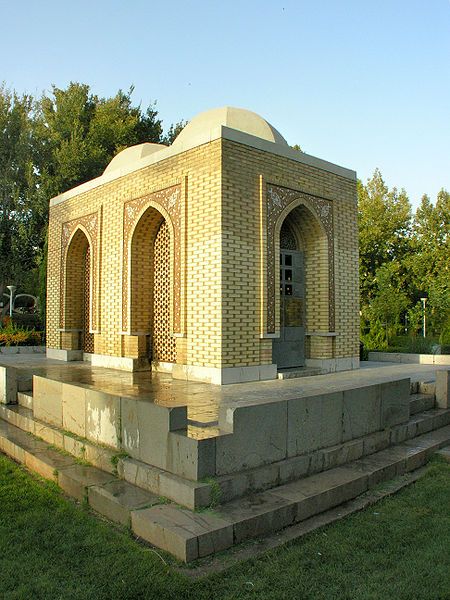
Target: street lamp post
[424,302]
[12,289]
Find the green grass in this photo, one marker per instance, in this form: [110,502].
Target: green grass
[50,548]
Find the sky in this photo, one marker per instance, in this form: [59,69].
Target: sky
[361,83]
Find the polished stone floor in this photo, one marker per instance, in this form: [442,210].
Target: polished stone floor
[202,399]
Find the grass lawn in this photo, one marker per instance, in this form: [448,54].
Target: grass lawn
[400,549]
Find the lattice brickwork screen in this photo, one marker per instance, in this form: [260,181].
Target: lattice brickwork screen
[287,239]
[163,343]
[88,338]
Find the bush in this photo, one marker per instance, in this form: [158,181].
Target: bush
[375,338]
[13,335]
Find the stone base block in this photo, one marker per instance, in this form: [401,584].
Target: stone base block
[443,389]
[121,363]
[66,355]
[218,376]
[8,385]
[333,365]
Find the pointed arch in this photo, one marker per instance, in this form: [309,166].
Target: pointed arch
[167,203]
[317,217]
[312,240]
[78,285]
[150,281]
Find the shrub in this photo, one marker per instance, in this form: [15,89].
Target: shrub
[13,335]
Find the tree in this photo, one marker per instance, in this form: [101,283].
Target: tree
[390,302]
[384,230]
[80,133]
[428,263]
[173,132]
[17,188]
[47,146]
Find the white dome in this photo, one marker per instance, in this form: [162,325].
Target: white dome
[228,116]
[131,155]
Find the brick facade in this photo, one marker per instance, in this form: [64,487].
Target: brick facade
[196,235]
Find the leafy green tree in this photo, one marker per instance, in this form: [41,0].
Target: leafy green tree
[428,263]
[390,302]
[18,186]
[384,230]
[80,133]
[173,131]
[48,146]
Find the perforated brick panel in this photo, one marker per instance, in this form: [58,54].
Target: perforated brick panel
[88,338]
[164,348]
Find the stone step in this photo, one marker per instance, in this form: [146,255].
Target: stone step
[25,399]
[192,494]
[296,372]
[109,496]
[420,403]
[200,494]
[190,535]
[18,415]
[82,449]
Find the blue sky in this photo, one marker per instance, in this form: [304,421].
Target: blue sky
[363,83]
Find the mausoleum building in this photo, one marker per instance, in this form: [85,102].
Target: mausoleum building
[224,258]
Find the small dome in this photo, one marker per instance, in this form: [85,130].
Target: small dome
[234,118]
[131,155]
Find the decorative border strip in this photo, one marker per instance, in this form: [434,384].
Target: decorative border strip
[277,200]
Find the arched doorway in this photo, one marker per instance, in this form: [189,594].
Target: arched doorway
[289,349]
[304,286]
[77,313]
[150,284]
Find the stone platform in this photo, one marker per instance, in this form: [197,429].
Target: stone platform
[268,454]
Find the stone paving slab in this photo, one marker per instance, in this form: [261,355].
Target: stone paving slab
[16,443]
[323,491]
[203,400]
[75,480]
[48,463]
[380,467]
[186,535]
[257,515]
[116,499]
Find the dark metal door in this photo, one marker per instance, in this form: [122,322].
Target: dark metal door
[289,349]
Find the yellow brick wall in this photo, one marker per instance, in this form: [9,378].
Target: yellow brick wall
[201,303]
[243,169]
[221,269]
